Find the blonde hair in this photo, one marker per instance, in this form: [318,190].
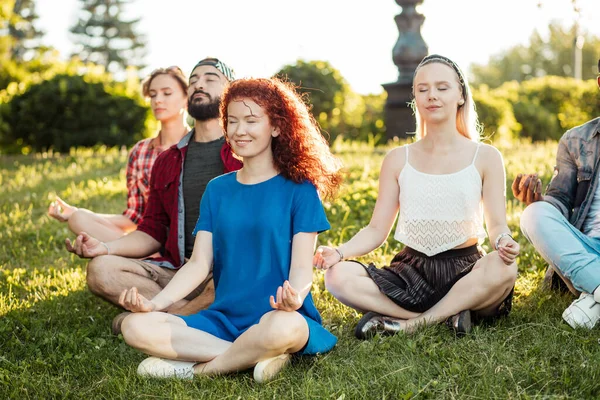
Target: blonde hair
[173,71]
[466,115]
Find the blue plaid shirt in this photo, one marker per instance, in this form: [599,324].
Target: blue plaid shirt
[575,178]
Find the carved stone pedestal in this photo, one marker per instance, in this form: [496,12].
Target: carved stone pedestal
[407,53]
[399,118]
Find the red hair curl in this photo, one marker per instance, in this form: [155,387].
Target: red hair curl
[300,152]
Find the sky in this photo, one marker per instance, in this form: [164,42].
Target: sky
[258,37]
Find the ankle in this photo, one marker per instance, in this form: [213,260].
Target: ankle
[205,368]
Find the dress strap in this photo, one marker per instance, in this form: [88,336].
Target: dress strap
[476,151]
[406,161]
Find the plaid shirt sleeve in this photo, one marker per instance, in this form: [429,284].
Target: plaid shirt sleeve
[140,163]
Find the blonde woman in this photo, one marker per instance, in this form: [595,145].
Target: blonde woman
[441,186]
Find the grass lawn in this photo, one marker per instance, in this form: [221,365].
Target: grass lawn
[55,339]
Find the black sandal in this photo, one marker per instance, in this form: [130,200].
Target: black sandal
[460,323]
[372,323]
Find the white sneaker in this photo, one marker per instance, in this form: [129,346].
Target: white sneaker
[597,295]
[583,312]
[162,368]
[265,370]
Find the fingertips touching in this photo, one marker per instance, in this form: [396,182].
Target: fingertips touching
[274,304]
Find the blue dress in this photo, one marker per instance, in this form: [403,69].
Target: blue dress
[252,228]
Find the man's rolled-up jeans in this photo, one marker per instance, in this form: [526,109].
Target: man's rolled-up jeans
[575,255]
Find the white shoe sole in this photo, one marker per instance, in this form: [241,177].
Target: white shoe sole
[265,370]
[156,367]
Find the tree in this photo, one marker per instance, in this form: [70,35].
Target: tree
[540,57]
[26,37]
[20,51]
[335,106]
[7,18]
[103,36]
[322,85]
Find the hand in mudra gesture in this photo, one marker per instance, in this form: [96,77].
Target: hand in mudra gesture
[132,300]
[527,188]
[508,250]
[326,257]
[61,210]
[86,246]
[287,298]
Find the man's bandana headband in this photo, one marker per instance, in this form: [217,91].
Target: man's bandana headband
[220,65]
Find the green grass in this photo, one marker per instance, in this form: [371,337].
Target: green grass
[55,339]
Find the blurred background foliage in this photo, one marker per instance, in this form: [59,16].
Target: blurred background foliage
[338,109]
[94,97]
[540,57]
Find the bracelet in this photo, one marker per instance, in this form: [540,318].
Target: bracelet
[500,236]
[107,248]
[340,253]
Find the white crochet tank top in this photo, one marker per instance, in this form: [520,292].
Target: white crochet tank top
[439,212]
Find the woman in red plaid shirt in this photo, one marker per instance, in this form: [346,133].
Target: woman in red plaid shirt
[167,90]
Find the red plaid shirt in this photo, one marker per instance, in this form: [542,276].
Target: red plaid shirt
[163,217]
[141,160]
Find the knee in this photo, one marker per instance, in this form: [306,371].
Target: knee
[135,331]
[283,330]
[534,215]
[78,221]
[334,279]
[503,275]
[97,275]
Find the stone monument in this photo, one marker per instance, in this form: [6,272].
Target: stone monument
[407,53]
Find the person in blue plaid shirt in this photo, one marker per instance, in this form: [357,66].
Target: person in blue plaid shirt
[564,223]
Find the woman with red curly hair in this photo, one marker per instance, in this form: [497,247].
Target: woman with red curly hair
[257,231]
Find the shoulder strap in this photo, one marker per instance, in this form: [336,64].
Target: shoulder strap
[476,151]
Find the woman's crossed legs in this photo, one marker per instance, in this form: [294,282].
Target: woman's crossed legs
[483,290]
[167,336]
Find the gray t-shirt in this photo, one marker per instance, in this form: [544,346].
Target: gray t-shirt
[202,163]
